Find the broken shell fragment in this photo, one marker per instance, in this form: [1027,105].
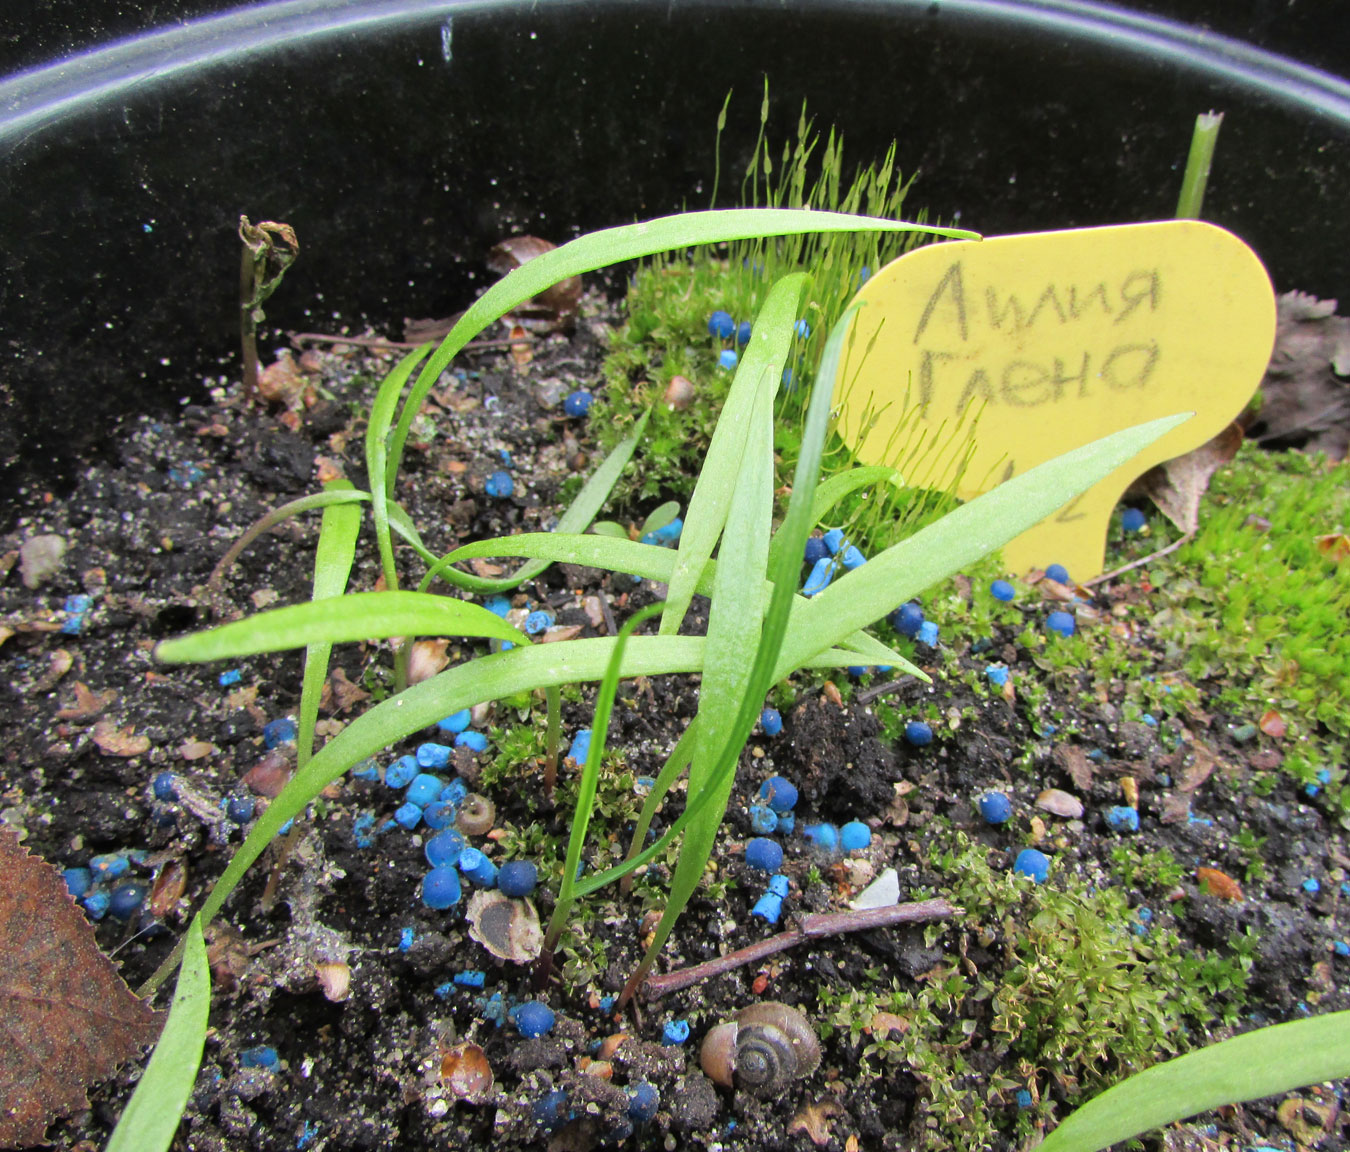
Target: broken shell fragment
[507,928]
[335,978]
[465,1071]
[1060,803]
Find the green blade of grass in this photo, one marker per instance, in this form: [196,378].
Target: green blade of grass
[590,777]
[381,476]
[1260,1063]
[716,489]
[151,1117]
[960,538]
[613,246]
[360,616]
[333,558]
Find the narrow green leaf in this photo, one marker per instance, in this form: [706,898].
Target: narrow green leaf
[360,616]
[333,558]
[960,538]
[715,488]
[1265,1062]
[151,1117]
[381,475]
[629,242]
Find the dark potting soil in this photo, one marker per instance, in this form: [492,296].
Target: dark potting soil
[88,720]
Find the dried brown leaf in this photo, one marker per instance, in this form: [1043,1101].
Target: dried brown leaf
[68,1018]
[815,1120]
[88,703]
[1073,760]
[1304,399]
[115,741]
[1176,486]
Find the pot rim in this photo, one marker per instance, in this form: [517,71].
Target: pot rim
[34,99]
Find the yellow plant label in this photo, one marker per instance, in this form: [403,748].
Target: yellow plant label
[1003,353]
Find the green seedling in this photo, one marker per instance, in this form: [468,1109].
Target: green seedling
[760,630]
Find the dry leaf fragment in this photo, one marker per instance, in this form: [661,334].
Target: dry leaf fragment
[814,1120]
[1336,546]
[115,741]
[1176,486]
[1218,884]
[88,704]
[68,1018]
[1273,725]
[1072,760]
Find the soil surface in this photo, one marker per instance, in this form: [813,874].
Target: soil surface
[88,720]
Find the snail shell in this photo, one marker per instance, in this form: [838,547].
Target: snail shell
[555,306]
[762,1049]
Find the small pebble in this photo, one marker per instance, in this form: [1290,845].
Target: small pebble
[580,747]
[743,331]
[815,550]
[768,908]
[1058,573]
[918,734]
[424,789]
[551,1109]
[803,329]
[498,606]
[771,721]
[883,892]
[1023,1098]
[454,723]
[995,808]
[517,878]
[1060,803]
[818,579]
[537,622]
[1061,622]
[126,899]
[727,358]
[1002,590]
[578,403]
[1133,520]
[441,888]
[78,881]
[721,325]
[470,978]
[499,485]
[764,854]
[263,1056]
[229,679]
[408,816]
[822,836]
[675,1032]
[474,741]
[907,619]
[997,674]
[1311,886]
[404,770]
[96,905]
[532,1019]
[851,558]
[763,819]
[279,731]
[643,1101]
[454,792]
[477,867]
[855,836]
[1341,948]
[834,540]
[1122,818]
[443,849]
[239,809]
[405,939]
[164,787]
[928,634]
[779,793]
[1033,863]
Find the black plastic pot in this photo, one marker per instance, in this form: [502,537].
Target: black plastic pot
[401,138]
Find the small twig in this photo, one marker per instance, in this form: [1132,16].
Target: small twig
[867,695]
[1105,576]
[380,344]
[811,927]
